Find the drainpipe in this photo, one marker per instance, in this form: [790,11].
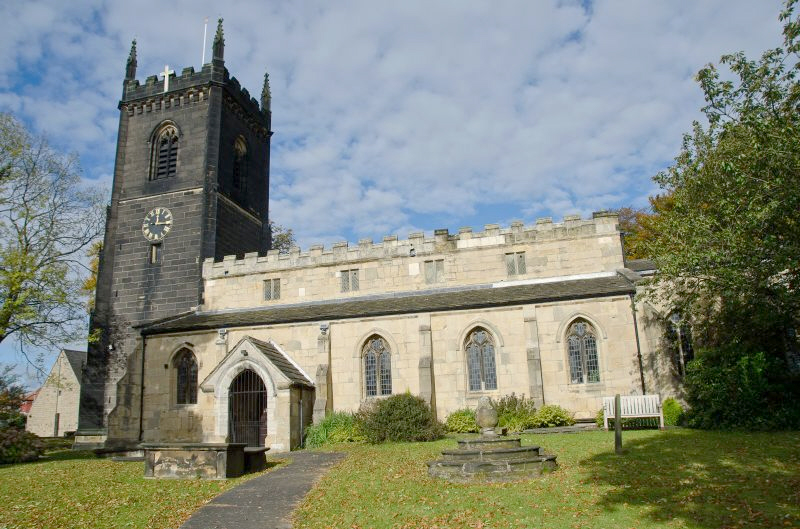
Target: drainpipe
[141,391]
[638,345]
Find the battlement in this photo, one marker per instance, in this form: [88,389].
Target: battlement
[602,223]
[190,81]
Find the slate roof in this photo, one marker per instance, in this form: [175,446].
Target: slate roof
[76,360]
[281,361]
[482,296]
[641,265]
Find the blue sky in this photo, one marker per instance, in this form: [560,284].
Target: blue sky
[395,117]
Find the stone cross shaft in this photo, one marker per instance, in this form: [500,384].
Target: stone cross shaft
[166,73]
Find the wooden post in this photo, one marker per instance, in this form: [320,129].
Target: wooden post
[618,424]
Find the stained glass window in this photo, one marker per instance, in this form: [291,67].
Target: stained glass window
[377,367]
[584,366]
[482,372]
[186,367]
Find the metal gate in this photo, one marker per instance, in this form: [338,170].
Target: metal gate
[247,410]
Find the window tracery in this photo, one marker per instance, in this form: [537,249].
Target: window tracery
[186,377]
[584,366]
[165,153]
[377,367]
[482,371]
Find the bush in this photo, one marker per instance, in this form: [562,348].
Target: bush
[337,427]
[515,413]
[17,446]
[402,417]
[673,412]
[462,421]
[550,416]
[728,389]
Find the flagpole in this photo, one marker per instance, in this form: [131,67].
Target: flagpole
[205,31]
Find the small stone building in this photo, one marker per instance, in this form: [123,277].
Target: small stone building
[55,410]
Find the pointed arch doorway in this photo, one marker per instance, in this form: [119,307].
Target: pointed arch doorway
[247,409]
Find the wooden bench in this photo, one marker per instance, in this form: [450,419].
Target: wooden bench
[634,406]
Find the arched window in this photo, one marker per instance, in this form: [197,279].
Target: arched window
[240,165]
[377,367]
[480,360]
[186,377]
[165,153]
[582,349]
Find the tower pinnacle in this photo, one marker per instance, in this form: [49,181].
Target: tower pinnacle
[130,66]
[219,43]
[266,95]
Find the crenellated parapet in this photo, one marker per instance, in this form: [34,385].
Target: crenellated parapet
[418,245]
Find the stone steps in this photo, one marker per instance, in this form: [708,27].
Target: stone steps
[497,470]
[500,454]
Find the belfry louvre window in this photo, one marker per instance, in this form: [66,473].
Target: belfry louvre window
[480,361]
[584,366]
[165,154]
[272,289]
[349,279]
[186,371]
[515,263]
[434,271]
[377,367]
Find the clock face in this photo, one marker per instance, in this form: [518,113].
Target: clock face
[157,224]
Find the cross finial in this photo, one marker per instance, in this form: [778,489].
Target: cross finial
[166,73]
[130,66]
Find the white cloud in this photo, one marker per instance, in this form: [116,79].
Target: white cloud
[397,117]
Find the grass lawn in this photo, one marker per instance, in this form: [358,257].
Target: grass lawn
[677,478]
[77,490]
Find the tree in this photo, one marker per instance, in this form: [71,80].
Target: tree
[638,225]
[48,220]
[89,285]
[727,245]
[11,397]
[282,238]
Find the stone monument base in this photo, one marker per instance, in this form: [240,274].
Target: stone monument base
[199,460]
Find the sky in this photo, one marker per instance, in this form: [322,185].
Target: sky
[398,117]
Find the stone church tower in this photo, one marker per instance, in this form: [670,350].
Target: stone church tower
[191,182]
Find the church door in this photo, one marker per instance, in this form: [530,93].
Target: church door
[248,409]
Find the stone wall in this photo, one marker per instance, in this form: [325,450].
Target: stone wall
[552,250]
[60,394]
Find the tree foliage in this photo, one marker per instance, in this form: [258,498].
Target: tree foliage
[638,225]
[282,238]
[727,245]
[12,396]
[48,220]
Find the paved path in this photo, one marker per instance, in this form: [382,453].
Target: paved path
[265,502]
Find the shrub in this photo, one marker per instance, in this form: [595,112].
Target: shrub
[599,419]
[17,446]
[462,421]
[515,413]
[730,389]
[550,416]
[337,427]
[673,412]
[402,417]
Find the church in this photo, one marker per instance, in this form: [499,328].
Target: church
[203,334]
